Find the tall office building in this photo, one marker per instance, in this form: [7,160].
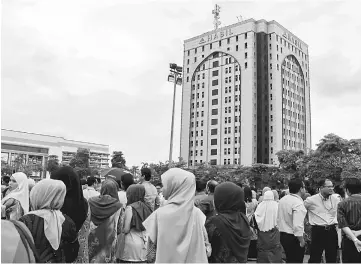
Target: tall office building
[245,94]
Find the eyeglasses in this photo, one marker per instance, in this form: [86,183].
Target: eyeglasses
[330,187]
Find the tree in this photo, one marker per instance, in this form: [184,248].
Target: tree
[52,164]
[118,160]
[80,163]
[334,158]
[6,169]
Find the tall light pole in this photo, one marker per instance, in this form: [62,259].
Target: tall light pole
[174,76]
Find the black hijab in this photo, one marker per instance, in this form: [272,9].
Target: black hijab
[106,204]
[135,199]
[231,220]
[75,206]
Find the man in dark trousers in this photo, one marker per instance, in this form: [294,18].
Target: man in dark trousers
[322,216]
[291,216]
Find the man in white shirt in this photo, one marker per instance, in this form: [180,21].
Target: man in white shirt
[90,191]
[322,215]
[150,190]
[291,216]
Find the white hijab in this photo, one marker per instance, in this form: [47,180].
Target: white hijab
[177,226]
[20,193]
[266,212]
[47,198]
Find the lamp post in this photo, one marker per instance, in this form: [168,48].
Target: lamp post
[174,76]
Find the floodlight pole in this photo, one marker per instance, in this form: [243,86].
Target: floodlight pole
[176,74]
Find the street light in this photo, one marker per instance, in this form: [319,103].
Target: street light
[174,76]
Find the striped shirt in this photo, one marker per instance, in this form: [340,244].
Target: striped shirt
[349,213]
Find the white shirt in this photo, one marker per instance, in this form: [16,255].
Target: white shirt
[322,212]
[150,194]
[123,198]
[90,192]
[291,215]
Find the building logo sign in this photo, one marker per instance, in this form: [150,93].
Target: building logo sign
[216,36]
[292,39]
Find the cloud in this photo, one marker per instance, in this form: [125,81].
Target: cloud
[97,70]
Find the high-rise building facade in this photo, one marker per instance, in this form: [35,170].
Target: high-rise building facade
[245,95]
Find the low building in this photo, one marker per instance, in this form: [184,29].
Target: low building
[35,149]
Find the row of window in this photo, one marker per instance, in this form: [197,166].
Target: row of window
[291,143]
[293,134]
[293,124]
[290,113]
[292,104]
[292,94]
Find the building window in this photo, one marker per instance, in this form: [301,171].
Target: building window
[220,43]
[214,141]
[214,82]
[215,92]
[228,41]
[215,73]
[215,64]
[215,102]
[245,36]
[245,45]
[214,121]
[245,65]
[236,47]
[195,59]
[214,131]
[213,151]
[210,46]
[215,111]
[245,55]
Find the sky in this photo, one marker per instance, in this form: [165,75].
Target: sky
[96,71]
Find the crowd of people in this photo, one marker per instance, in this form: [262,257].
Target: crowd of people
[178,220]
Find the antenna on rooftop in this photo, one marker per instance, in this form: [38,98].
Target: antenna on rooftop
[240,18]
[215,12]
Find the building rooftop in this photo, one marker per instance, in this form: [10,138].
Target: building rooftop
[30,133]
[245,22]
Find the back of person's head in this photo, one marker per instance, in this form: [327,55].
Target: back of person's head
[200,185]
[339,190]
[6,179]
[127,180]
[159,184]
[295,185]
[353,185]
[146,173]
[90,181]
[247,194]
[211,185]
[83,181]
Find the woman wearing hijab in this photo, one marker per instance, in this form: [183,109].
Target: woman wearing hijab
[269,245]
[16,203]
[76,207]
[134,233]
[229,231]
[106,222]
[54,233]
[265,189]
[177,228]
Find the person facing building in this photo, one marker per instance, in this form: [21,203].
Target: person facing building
[150,190]
[90,191]
[322,216]
[207,204]
[291,215]
[349,220]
